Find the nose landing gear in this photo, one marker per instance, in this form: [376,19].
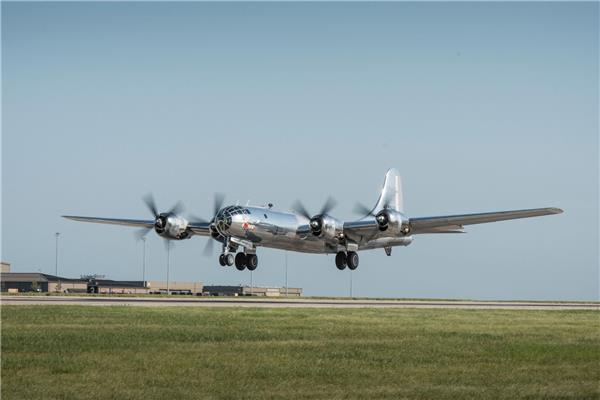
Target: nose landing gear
[349,259]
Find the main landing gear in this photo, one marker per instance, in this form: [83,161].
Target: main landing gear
[349,259]
[241,261]
[226,260]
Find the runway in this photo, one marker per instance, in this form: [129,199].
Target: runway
[294,303]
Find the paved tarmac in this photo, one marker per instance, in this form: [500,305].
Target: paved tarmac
[288,302]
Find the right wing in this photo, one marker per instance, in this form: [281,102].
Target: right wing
[367,228]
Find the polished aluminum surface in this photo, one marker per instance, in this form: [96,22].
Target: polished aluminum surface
[385,226]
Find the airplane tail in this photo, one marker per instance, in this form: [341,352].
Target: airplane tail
[391,192]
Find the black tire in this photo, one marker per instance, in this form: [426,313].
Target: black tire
[229,260]
[352,260]
[240,260]
[340,260]
[251,261]
[241,267]
[222,260]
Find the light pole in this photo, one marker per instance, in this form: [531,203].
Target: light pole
[168,265]
[57,234]
[144,260]
[286,281]
[350,283]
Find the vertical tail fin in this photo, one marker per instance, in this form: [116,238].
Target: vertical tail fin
[391,193]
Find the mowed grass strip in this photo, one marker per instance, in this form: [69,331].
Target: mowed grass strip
[83,352]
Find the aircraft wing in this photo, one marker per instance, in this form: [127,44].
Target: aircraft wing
[200,228]
[197,228]
[455,223]
[139,223]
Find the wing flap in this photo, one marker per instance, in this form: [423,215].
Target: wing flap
[450,222]
[444,229]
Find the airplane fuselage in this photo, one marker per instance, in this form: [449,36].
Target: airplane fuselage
[265,227]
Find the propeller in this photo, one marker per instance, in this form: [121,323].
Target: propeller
[219,199]
[329,205]
[316,221]
[300,209]
[176,209]
[159,218]
[151,204]
[208,248]
[381,217]
[361,209]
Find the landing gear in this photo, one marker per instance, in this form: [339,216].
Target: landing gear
[243,261]
[340,260]
[352,260]
[251,261]
[349,259]
[240,261]
[226,259]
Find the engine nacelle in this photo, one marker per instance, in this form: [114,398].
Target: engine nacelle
[326,227]
[171,227]
[393,222]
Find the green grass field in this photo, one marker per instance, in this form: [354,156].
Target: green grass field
[117,352]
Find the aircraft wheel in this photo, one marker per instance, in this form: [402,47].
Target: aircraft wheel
[222,260]
[240,261]
[352,260]
[340,260]
[241,267]
[251,261]
[229,259]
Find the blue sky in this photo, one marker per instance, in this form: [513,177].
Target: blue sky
[481,106]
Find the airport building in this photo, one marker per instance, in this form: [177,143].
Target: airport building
[251,291]
[194,288]
[15,282]
[4,267]
[19,282]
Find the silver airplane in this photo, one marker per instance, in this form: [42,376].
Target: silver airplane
[242,229]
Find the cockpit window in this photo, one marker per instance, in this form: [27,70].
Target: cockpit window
[224,216]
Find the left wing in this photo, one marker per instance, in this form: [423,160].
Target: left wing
[455,223]
[139,223]
[197,228]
